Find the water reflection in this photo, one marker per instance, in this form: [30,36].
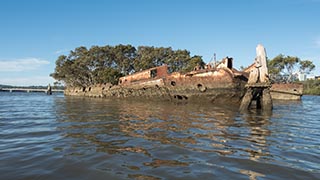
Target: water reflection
[252,175]
[129,128]
[56,137]
[258,122]
[188,126]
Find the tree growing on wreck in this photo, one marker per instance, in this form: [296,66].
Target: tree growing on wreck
[105,64]
[281,67]
[179,60]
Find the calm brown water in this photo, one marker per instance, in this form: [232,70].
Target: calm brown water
[57,137]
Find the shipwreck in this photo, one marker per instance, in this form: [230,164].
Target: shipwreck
[214,84]
[221,83]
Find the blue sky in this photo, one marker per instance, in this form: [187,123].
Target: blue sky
[33,33]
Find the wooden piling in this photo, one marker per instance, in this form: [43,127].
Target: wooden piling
[49,90]
[258,86]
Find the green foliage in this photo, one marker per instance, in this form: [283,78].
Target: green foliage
[108,74]
[306,66]
[148,57]
[282,63]
[281,67]
[124,57]
[276,65]
[311,87]
[101,64]
[193,62]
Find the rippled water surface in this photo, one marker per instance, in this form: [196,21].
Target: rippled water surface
[57,137]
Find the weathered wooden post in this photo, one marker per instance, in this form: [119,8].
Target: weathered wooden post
[258,86]
[49,90]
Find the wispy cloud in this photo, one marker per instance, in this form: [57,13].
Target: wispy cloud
[61,51]
[19,65]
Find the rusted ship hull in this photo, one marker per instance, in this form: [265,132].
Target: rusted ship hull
[217,86]
[221,84]
[286,91]
[224,89]
[186,89]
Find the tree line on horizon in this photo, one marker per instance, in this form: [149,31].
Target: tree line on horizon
[106,64]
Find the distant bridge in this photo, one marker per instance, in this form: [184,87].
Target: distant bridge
[30,90]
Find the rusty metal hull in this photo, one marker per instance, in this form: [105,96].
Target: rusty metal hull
[286,91]
[217,86]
